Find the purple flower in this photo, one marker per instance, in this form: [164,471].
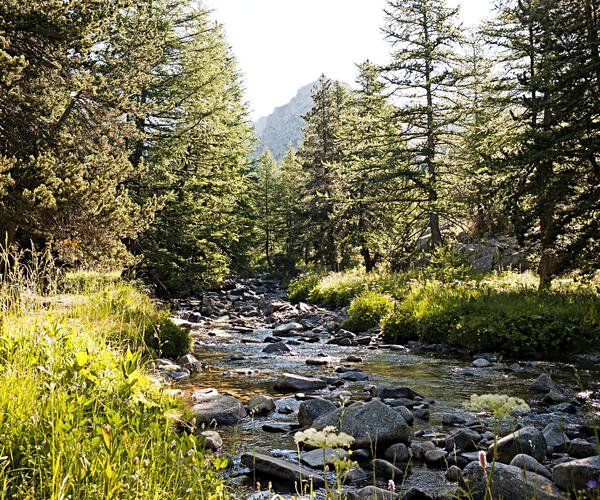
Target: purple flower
[592,484]
[391,486]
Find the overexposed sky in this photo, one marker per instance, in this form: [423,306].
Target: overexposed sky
[282,45]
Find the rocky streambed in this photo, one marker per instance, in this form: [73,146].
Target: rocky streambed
[263,369]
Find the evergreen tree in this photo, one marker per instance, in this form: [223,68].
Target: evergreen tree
[266,170]
[320,156]
[553,166]
[288,198]
[424,35]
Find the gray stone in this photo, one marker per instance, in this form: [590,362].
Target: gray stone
[288,382]
[212,440]
[375,493]
[261,405]
[275,467]
[276,347]
[580,448]
[354,376]
[543,384]
[435,458]
[172,370]
[452,419]
[312,409]
[394,393]
[397,453]
[577,473]
[369,424]
[406,414]
[287,328]
[386,470]
[224,410]
[204,394]
[506,482]
[463,440]
[556,440]
[315,458]
[419,449]
[189,362]
[481,363]
[528,440]
[530,464]
[416,493]
[453,474]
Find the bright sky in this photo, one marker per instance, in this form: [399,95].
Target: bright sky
[282,45]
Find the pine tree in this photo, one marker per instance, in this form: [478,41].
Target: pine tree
[424,35]
[553,168]
[267,182]
[320,156]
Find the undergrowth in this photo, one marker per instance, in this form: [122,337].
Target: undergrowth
[80,417]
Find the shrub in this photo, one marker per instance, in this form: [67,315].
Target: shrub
[300,288]
[367,310]
[338,289]
[499,404]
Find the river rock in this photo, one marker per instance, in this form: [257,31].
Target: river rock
[287,328]
[543,384]
[354,376]
[369,424]
[406,414]
[190,362]
[580,448]
[530,464]
[171,370]
[507,482]
[452,419]
[276,347]
[528,440]
[288,382]
[310,410]
[386,470]
[463,440]
[204,394]
[316,460]
[212,440]
[453,474]
[435,458]
[384,392]
[577,473]
[397,453]
[261,405]
[281,469]
[481,363]
[375,493]
[224,410]
[556,440]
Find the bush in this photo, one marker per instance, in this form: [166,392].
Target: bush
[367,310]
[300,288]
[338,289]
[499,404]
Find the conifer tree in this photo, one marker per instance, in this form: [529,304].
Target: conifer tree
[266,172]
[320,155]
[423,35]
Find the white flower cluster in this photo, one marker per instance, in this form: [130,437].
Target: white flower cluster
[327,438]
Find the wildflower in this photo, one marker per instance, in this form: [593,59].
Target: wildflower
[592,484]
[391,485]
[145,462]
[482,459]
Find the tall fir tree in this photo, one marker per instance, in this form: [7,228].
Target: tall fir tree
[266,169]
[424,36]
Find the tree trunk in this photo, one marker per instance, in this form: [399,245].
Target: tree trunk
[434,221]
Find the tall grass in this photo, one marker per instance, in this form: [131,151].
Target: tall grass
[80,416]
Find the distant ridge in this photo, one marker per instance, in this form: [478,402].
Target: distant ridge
[284,125]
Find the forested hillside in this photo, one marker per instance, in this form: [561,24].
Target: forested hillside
[383,291]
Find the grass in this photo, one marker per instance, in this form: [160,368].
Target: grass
[450,303]
[80,416]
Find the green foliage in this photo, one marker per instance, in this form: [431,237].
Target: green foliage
[485,317]
[367,310]
[80,417]
[300,288]
[338,289]
[448,266]
[499,404]
[140,324]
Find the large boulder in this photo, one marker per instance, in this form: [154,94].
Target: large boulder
[528,440]
[318,458]
[556,440]
[506,482]
[310,410]
[276,347]
[288,382]
[224,410]
[261,405]
[543,384]
[577,473]
[370,424]
[289,472]
[384,392]
[463,440]
[530,464]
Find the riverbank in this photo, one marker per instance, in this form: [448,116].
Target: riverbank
[457,306]
[274,368]
[81,416]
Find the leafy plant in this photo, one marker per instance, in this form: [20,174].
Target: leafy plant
[367,310]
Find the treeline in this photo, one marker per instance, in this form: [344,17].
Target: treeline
[124,138]
[490,131]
